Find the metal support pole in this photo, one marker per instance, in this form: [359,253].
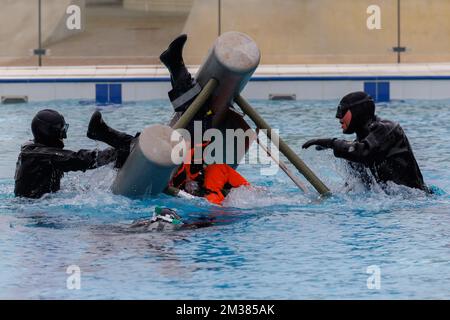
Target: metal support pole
[283,166]
[40,33]
[283,147]
[398,32]
[219,18]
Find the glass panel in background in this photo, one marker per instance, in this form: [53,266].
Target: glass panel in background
[313,31]
[287,31]
[425,30]
[119,32]
[18,32]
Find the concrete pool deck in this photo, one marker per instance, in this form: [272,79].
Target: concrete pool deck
[302,82]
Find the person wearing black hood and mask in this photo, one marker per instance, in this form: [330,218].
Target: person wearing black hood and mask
[43,161]
[380,145]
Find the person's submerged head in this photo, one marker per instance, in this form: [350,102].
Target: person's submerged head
[355,110]
[49,128]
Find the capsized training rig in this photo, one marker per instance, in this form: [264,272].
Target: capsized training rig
[228,67]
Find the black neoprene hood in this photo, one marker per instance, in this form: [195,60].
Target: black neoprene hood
[49,128]
[361,106]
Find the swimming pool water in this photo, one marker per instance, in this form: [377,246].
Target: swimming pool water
[272,242]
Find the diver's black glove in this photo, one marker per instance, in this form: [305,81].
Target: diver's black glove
[320,144]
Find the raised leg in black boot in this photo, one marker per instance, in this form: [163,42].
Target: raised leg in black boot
[184,88]
[99,130]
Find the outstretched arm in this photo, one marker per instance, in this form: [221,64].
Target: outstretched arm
[365,151]
[353,151]
[66,160]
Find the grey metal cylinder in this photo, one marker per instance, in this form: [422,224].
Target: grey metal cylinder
[149,166]
[232,61]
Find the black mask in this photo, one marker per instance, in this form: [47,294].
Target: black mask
[362,108]
[49,128]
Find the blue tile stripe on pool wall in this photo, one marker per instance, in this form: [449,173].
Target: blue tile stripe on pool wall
[378,90]
[101,93]
[106,93]
[115,93]
[256,78]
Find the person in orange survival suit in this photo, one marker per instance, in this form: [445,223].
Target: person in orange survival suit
[212,181]
[219,179]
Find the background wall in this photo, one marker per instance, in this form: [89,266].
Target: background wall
[287,31]
[425,29]
[291,32]
[19,27]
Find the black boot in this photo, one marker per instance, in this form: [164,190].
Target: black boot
[172,58]
[99,130]
[180,77]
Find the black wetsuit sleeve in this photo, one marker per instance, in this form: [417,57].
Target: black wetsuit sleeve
[353,151]
[66,160]
[369,149]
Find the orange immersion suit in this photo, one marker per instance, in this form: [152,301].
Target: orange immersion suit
[213,179]
[217,176]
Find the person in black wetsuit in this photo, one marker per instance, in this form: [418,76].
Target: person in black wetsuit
[380,145]
[184,87]
[212,181]
[43,161]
